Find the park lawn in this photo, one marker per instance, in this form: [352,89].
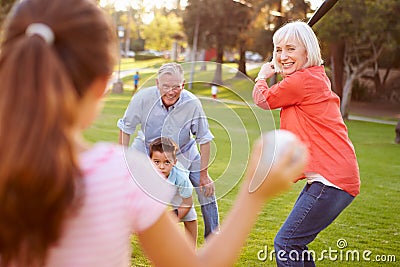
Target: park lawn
[131,63]
[370,223]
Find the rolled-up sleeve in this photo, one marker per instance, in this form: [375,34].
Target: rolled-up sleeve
[290,91]
[131,118]
[259,93]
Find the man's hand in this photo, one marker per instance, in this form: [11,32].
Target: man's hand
[206,184]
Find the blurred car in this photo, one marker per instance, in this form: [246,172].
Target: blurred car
[253,56]
[152,53]
[127,54]
[131,54]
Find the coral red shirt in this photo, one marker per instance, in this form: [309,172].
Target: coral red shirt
[311,110]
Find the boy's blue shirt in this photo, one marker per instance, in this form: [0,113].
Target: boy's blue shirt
[180,178]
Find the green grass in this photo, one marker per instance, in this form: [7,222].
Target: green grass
[131,63]
[371,222]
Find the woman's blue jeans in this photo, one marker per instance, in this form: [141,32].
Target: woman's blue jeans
[316,208]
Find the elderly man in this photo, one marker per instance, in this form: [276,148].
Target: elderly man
[168,110]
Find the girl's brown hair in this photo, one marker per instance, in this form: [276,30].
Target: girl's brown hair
[40,86]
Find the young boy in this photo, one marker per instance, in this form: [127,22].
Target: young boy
[136,78]
[214,91]
[163,154]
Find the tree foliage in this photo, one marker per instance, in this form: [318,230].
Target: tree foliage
[369,29]
[239,24]
[220,24]
[160,31]
[139,33]
[220,21]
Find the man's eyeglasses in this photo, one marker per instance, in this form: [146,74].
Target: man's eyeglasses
[175,88]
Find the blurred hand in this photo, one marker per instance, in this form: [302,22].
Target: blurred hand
[268,179]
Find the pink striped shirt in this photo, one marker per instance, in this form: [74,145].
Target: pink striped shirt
[115,205]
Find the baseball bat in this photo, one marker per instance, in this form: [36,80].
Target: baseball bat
[321,11]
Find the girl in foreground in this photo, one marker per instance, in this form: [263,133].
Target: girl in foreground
[65,203]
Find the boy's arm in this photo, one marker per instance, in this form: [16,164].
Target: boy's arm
[185,189]
[185,207]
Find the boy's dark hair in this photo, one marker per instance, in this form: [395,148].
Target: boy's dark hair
[164,145]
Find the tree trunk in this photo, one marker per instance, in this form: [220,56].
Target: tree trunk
[346,99]
[242,60]
[387,72]
[203,66]
[218,71]
[352,74]
[337,58]
[194,52]
[379,86]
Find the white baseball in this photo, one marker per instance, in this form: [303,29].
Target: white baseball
[275,143]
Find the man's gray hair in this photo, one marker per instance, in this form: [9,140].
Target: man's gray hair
[171,68]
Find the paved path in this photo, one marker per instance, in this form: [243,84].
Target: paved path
[362,118]
[122,74]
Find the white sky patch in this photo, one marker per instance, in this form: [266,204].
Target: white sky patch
[123,4]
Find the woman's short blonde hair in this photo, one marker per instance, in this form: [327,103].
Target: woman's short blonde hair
[302,33]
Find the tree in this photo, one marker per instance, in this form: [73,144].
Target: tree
[238,24]
[367,29]
[262,19]
[219,24]
[243,14]
[160,31]
[390,57]
[278,12]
